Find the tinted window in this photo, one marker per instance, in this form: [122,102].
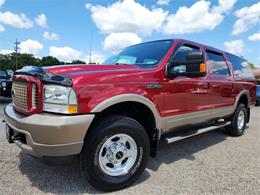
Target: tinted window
[180,57]
[240,67]
[218,64]
[182,52]
[3,74]
[145,54]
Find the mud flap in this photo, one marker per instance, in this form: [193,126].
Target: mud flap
[154,142]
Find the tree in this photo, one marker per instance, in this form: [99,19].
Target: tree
[27,60]
[252,66]
[50,61]
[7,61]
[78,62]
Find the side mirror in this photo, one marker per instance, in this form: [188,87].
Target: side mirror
[194,66]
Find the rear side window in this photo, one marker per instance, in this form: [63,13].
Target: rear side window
[240,67]
[218,64]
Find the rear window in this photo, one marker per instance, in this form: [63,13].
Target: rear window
[240,67]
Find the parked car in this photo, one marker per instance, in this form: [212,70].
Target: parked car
[257,95]
[113,115]
[5,83]
[10,73]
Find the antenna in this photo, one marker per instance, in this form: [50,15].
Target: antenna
[90,51]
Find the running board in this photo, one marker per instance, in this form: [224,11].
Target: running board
[200,131]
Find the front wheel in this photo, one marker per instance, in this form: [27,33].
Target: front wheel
[238,121]
[115,153]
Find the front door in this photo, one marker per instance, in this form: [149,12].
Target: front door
[186,95]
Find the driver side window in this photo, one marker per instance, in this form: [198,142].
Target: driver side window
[179,58]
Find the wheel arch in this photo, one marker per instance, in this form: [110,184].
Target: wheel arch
[137,107]
[244,97]
[130,98]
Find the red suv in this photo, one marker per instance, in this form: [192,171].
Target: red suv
[114,114]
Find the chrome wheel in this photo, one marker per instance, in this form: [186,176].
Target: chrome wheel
[117,155]
[241,120]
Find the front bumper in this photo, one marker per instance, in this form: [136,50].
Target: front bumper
[49,134]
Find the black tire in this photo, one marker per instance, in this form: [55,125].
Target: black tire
[233,129]
[100,133]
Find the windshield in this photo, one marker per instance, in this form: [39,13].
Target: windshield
[146,55]
[3,74]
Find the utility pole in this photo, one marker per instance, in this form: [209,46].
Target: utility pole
[16,48]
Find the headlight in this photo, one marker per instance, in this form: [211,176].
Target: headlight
[4,84]
[60,99]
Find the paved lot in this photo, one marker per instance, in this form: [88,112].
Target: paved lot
[212,163]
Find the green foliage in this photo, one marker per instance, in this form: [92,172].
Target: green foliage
[252,66]
[78,62]
[8,61]
[50,61]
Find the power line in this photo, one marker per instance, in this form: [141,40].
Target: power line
[16,48]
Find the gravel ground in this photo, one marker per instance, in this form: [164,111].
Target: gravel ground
[212,163]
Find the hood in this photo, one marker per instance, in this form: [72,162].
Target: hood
[81,70]
[67,74]
[97,73]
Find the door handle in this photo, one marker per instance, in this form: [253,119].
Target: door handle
[205,86]
[199,91]
[202,89]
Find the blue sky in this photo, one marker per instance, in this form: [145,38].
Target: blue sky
[64,28]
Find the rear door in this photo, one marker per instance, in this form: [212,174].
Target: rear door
[220,85]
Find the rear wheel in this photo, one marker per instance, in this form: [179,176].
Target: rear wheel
[115,153]
[238,121]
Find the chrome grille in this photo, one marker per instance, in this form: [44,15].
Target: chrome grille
[35,96]
[20,94]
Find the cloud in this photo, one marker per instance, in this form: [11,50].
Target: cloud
[117,41]
[97,58]
[15,20]
[224,6]
[247,18]
[2,28]
[199,17]
[235,47]
[163,2]
[41,20]
[126,16]
[6,51]
[2,2]
[30,46]
[50,36]
[254,37]
[66,54]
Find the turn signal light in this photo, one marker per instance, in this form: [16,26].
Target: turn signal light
[73,109]
[203,67]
